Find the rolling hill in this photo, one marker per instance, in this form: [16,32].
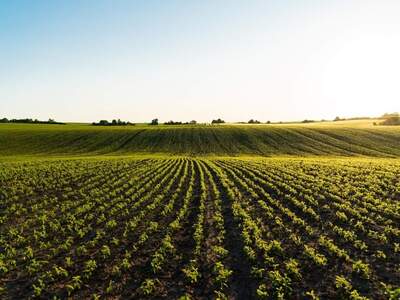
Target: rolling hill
[351,138]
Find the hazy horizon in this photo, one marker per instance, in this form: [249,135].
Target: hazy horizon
[174,60]
[161,121]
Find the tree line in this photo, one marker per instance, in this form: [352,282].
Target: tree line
[392,119]
[112,123]
[30,121]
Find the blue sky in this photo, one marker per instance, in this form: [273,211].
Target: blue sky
[183,60]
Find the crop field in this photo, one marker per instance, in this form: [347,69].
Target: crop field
[200,228]
[322,139]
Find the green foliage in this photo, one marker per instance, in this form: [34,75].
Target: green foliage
[292,267]
[343,284]
[262,291]
[316,257]
[149,286]
[393,293]
[281,285]
[191,272]
[222,274]
[266,140]
[312,295]
[101,228]
[105,250]
[362,269]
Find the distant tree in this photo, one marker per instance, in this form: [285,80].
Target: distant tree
[307,121]
[268,122]
[217,121]
[30,121]
[173,123]
[391,121]
[112,123]
[154,122]
[193,122]
[337,119]
[251,121]
[389,115]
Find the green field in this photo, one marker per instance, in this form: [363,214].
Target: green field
[291,211]
[351,138]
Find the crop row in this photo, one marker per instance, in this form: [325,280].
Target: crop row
[200,228]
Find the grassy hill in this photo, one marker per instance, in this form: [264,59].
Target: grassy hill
[347,138]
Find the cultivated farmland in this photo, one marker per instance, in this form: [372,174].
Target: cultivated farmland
[200,227]
[323,139]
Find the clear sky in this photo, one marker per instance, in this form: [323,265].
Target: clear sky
[182,60]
